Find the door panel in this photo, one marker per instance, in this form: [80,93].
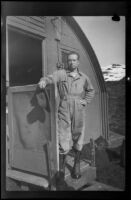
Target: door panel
[32,126]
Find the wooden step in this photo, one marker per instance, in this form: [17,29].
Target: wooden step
[27,178]
[115,139]
[88,174]
[97,186]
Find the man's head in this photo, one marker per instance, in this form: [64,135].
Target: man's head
[73,60]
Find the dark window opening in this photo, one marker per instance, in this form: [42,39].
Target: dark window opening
[64,59]
[25,58]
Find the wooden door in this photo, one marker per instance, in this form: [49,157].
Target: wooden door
[31,127]
[31,112]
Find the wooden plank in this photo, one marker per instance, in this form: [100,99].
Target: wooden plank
[44,58]
[97,186]
[88,174]
[27,22]
[30,161]
[23,31]
[23,88]
[31,179]
[7,148]
[38,22]
[7,58]
[25,28]
[10,124]
[40,19]
[54,153]
[115,139]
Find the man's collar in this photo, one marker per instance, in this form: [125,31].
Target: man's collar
[69,72]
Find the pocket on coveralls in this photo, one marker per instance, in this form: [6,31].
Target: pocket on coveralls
[82,106]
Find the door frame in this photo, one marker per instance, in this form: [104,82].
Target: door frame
[16,25]
[19,25]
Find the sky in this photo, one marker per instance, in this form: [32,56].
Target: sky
[107,38]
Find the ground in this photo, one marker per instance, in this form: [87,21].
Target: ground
[109,168]
[108,163]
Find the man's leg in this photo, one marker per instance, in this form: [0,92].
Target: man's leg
[76,173]
[64,132]
[78,131]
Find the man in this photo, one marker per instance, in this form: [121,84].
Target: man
[76,92]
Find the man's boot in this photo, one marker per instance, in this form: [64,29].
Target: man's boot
[62,162]
[76,173]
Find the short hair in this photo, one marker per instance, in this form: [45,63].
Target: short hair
[74,53]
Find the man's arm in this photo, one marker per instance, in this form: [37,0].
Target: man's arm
[53,78]
[44,81]
[89,92]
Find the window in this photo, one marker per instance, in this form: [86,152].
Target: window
[64,55]
[25,58]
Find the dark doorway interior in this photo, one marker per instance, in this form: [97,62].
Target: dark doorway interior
[25,58]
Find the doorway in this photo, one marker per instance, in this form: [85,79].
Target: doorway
[24,58]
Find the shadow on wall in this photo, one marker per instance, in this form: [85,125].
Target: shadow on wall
[28,123]
[40,102]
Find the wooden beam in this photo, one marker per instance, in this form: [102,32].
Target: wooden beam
[88,174]
[97,186]
[30,179]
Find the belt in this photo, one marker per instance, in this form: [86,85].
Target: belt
[74,95]
[70,96]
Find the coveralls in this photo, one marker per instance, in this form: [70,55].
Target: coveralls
[71,113]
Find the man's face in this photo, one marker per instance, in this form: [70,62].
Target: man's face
[73,61]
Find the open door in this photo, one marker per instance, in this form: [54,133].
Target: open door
[31,127]
[31,112]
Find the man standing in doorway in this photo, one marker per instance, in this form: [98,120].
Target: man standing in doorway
[76,92]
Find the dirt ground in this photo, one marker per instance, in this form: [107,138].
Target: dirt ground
[109,168]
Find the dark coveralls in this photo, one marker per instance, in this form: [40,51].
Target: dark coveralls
[71,113]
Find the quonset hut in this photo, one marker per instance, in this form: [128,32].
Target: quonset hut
[34,47]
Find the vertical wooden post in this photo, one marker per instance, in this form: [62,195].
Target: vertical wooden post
[7,56]
[44,58]
[92,148]
[51,178]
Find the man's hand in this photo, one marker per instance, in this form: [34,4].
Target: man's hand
[83,102]
[42,83]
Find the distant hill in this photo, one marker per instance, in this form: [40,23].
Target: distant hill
[113,72]
[116,88]
[116,93]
